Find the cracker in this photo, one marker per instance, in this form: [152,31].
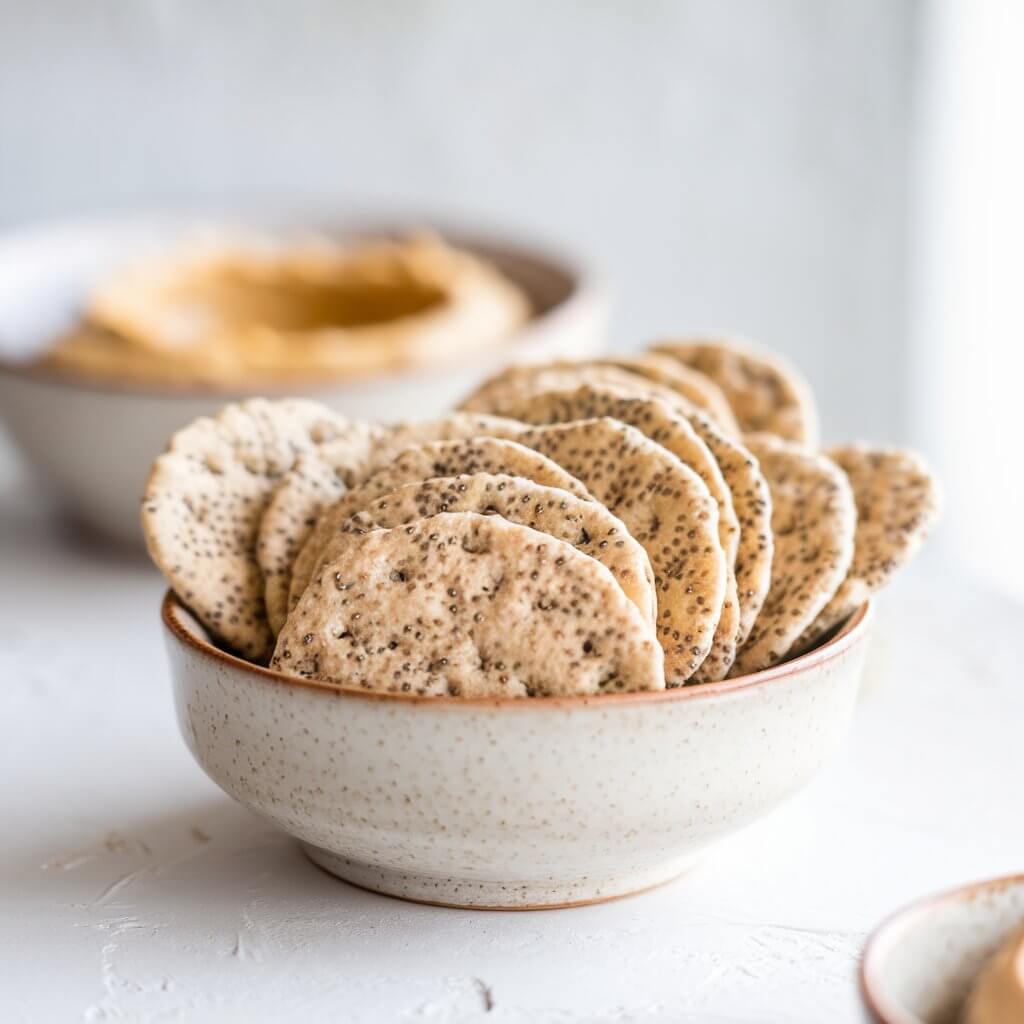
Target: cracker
[587,525]
[203,504]
[749,492]
[694,386]
[424,462]
[672,431]
[766,393]
[469,606]
[669,510]
[813,520]
[320,477]
[503,392]
[897,503]
[457,426]
[752,503]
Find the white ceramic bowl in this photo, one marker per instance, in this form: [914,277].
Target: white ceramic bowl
[509,803]
[919,965]
[95,443]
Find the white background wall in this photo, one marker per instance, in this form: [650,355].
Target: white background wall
[733,163]
[968,297]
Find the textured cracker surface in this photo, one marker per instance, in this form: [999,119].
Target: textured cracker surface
[318,479]
[653,418]
[897,503]
[813,521]
[586,525]
[425,462]
[752,503]
[694,386]
[458,426]
[669,510]
[505,394]
[470,606]
[500,394]
[766,393]
[204,502]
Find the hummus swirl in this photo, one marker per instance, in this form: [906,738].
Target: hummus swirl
[250,314]
[998,993]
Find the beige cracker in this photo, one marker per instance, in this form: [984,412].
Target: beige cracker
[424,462]
[587,525]
[669,510]
[500,394]
[656,420]
[697,388]
[897,503]
[813,521]
[321,476]
[469,606]
[752,502]
[508,392]
[766,393]
[203,504]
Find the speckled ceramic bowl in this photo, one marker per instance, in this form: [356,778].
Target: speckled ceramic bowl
[510,803]
[95,443]
[919,965]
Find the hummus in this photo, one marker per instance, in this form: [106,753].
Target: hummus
[251,314]
[998,993]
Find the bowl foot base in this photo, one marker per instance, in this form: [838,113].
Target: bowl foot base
[482,895]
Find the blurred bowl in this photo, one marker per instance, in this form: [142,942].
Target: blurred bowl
[95,441]
[920,965]
[511,803]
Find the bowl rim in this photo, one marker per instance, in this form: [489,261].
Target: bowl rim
[852,633]
[893,926]
[587,288]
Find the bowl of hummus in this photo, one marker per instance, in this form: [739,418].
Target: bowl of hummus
[113,332]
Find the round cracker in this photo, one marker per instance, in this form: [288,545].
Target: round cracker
[502,392]
[320,477]
[752,503]
[203,504]
[587,525]
[469,606]
[897,503]
[694,386]
[669,510]
[653,418]
[750,495]
[766,393]
[424,462]
[813,521]
[458,426]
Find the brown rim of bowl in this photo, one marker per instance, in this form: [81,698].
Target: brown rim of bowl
[585,288]
[851,633]
[893,926]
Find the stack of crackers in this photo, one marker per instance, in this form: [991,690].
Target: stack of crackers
[590,527]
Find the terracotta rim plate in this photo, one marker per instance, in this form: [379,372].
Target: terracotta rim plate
[881,1004]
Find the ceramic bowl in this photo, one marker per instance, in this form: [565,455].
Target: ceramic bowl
[510,803]
[95,442]
[919,966]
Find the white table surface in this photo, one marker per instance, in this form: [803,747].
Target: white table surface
[132,889]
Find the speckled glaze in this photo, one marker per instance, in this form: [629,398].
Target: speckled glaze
[511,803]
[919,965]
[95,443]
